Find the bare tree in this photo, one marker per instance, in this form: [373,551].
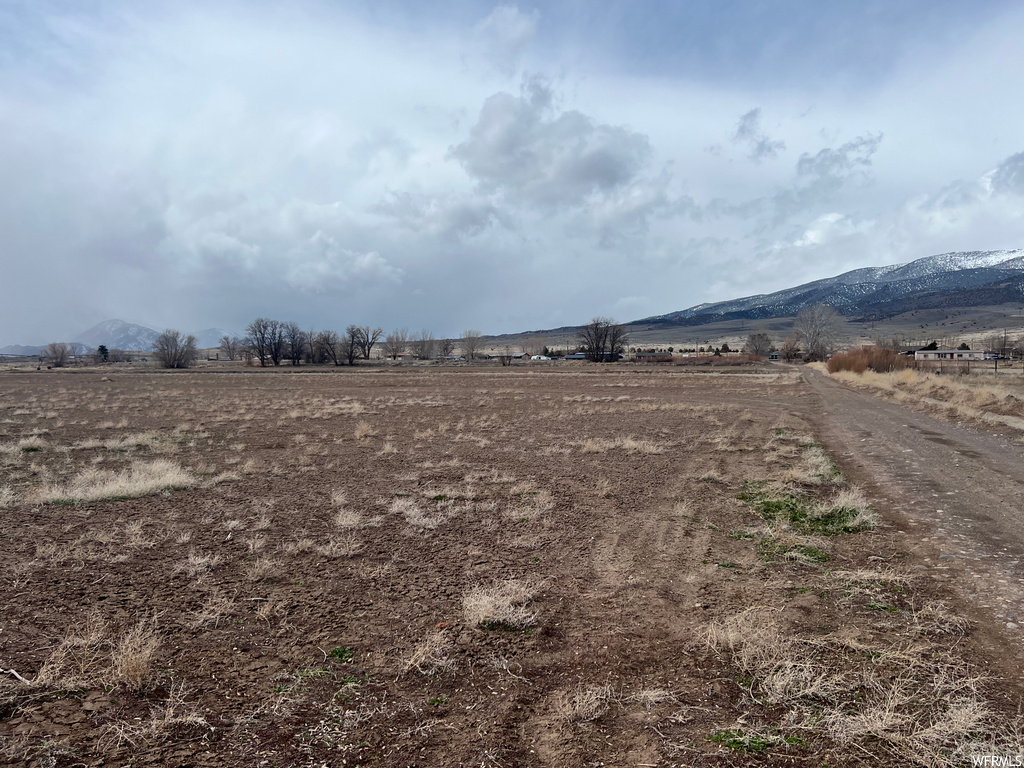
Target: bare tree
[424,346]
[328,347]
[820,326]
[294,341]
[471,343]
[309,352]
[367,338]
[445,347]
[758,343]
[791,347]
[172,349]
[118,356]
[999,342]
[396,343]
[534,345]
[351,345]
[266,339]
[505,356]
[57,353]
[894,342]
[230,346]
[602,340]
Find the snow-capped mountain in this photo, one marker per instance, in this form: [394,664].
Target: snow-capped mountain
[117,334]
[131,337]
[972,278]
[211,337]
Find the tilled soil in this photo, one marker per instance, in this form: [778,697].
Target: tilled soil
[343,517]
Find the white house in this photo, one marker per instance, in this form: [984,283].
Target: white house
[949,353]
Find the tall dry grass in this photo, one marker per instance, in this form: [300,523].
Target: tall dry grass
[141,479]
[869,359]
[966,393]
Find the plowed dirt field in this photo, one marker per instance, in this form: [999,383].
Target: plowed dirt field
[571,566]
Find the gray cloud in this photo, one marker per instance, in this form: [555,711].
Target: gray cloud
[316,164]
[821,176]
[749,131]
[524,148]
[440,216]
[1009,175]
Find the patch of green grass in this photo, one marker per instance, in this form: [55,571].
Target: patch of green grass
[311,672]
[770,550]
[754,742]
[727,565]
[803,515]
[440,497]
[342,653]
[437,701]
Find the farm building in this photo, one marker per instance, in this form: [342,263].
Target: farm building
[653,357]
[949,353]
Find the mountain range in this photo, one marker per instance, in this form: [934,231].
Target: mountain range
[944,282]
[117,334]
[960,279]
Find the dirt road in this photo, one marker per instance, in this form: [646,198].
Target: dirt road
[958,492]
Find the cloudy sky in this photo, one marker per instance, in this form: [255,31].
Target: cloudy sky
[505,167]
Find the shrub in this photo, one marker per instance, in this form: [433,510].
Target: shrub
[868,358]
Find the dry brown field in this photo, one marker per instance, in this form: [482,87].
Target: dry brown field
[585,566]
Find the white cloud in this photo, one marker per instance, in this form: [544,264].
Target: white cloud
[321,264]
[306,162]
[504,35]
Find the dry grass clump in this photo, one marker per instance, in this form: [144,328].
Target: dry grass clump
[853,507]
[261,568]
[347,518]
[814,467]
[914,700]
[504,604]
[166,718]
[415,515]
[197,564]
[216,606]
[433,655]
[935,617]
[151,441]
[345,545]
[7,497]
[588,704]
[627,444]
[142,479]
[97,656]
[364,430]
[649,698]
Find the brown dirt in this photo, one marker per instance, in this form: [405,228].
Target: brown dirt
[628,545]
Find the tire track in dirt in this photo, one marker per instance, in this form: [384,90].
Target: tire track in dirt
[957,494]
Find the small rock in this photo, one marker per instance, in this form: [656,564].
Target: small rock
[1010,625]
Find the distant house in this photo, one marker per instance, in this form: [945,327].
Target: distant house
[949,353]
[653,357]
[575,356]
